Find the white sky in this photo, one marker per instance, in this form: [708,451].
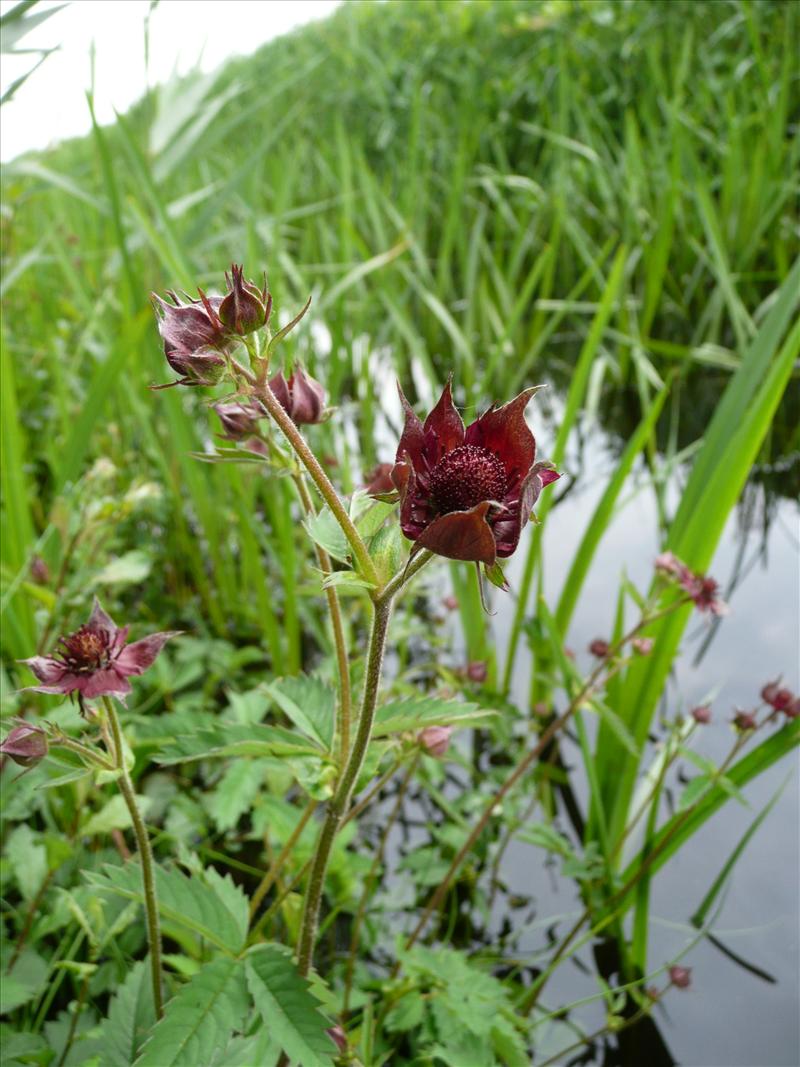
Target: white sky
[183,33]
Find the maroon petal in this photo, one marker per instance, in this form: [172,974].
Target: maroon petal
[412,441]
[103,683]
[509,524]
[101,622]
[280,389]
[66,684]
[463,535]
[47,670]
[505,432]
[136,658]
[416,509]
[444,428]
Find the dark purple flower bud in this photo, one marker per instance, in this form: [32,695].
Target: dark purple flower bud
[302,398]
[600,648]
[681,977]
[379,480]
[245,308]
[467,493]
[643,645]
[435,739]
[702,714]
[25,745]
[477,671]
[95,661]
[745,720]
[239,418]
[40,572]
[194,336]
[338,1037]
[777,696]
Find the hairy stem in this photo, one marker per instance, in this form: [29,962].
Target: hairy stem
[146,856]
[342,727]
[341,798]
[270,402]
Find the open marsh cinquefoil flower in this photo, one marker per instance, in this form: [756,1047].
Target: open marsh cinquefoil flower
[467,493]
[94,661]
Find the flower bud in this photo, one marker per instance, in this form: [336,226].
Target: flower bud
[745,720]
[245,308]
[599,648]
[239,419]
[793,710]
[776,696]
[25,745]
[450,603]
[477,671]
[302,398]
[643,645]
[702,714]
[435,739]
[338,1037]
[681,977]
[40,572]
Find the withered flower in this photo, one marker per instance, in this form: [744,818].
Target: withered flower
[301,397]
[467,493]
[95,661]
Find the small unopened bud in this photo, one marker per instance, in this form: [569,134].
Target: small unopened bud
[301,397]
[793,710]
[239,419]
[40,572]
[776,696]
[702,714]
[246,307]
[681,977]
[477,671]
[435,739]
[653,992]
[599,648]
[25,745]
[338,1037]
[745,720]
[379,480]
[450,603]
[643,645]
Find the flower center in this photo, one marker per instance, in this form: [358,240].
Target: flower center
[85,651]
[467,476]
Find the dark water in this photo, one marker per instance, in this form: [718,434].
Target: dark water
[729,1018]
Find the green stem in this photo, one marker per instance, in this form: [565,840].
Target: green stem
[280,859]
[341,799]
[342,727]
[146,856]
[320,479]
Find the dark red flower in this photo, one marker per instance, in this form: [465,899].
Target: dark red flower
[467,493]
[239,418]
[776,696]
[194,336]
[95,661]
[245,307]
[435,739]
[379,480]
[302,398]
[25,745]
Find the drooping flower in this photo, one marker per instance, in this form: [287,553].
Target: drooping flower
[467,493]
[25,745]
[301,397]
[95,661]
[194,337]
[435,739]
[239,418]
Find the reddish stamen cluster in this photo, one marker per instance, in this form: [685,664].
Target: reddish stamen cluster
[466,476]
[84,651]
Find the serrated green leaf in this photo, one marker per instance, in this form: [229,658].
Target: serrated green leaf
[28,859]
[113,816]
[24,981]
[193,902]
[234,793]
[200,1018]
[130,1016]
[287,1008]
[309,703]
[234,739]
[416,712]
